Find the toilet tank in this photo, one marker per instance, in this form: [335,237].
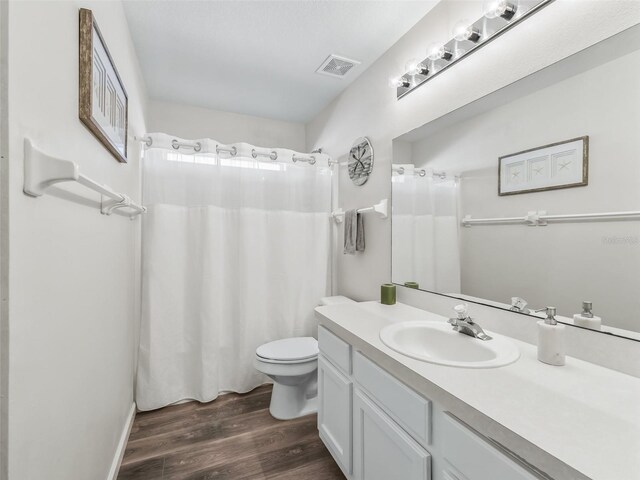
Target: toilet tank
[335,300]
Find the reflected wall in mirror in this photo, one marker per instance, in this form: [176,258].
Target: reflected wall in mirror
[454,234]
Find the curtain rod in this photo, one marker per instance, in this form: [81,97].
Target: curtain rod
[161,140]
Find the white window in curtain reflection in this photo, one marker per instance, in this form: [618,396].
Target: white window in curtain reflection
[225,162]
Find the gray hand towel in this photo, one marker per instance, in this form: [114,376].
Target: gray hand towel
[360,232]
[353,232]
[350,231]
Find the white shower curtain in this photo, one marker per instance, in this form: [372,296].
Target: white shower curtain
[425,239]
[235,254]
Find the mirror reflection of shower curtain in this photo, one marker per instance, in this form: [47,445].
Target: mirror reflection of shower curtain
[236,253]
[425,233]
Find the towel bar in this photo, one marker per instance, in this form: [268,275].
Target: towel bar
[42,171]
[381,208]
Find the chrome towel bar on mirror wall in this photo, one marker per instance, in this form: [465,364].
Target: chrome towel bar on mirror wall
[381,208]
[41,171]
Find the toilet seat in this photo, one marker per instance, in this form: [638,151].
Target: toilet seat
[288,350]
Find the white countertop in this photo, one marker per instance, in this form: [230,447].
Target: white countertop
[584,415]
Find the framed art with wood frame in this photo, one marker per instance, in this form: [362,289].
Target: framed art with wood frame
[558,165]
[103,101]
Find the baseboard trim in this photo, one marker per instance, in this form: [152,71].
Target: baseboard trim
[122,444]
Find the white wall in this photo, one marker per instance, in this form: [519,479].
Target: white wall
[73,272]
[4,239]
[368,107]
[556,265]
[191,122]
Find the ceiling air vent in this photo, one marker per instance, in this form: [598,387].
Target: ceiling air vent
[336,66]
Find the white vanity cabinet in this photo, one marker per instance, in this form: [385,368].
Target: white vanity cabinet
[377,428]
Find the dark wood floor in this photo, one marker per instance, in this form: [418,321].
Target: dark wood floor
[231,438]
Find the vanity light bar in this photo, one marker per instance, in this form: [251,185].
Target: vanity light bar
[499,16]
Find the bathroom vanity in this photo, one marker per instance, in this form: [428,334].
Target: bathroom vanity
[384,415]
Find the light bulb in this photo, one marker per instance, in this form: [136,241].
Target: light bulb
[437,51]
[490,8]
[415,67]
[411,66]
[464,30]
[397,82]
[499,8]
[433,51]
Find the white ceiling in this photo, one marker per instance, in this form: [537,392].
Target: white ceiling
[259,57]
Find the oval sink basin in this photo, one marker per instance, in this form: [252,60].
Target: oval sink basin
[437,342]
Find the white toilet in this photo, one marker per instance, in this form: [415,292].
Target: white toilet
[292,364]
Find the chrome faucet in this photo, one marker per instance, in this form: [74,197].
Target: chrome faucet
[519,305]
[464,324]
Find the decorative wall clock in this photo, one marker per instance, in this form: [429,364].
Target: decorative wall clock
[360,161]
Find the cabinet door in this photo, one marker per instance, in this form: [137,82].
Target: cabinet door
[335,393]
[381,449]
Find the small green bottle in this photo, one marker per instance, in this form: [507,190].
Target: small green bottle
[388,294]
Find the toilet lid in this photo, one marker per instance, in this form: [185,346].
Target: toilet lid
[289,349]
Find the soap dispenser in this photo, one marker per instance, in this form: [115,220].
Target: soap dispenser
[551,339]
[587,319]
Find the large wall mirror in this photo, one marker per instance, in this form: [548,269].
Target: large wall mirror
[564,145]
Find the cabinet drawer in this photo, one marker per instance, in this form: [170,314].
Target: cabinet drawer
[335,349]
[474,457]
[411,411]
